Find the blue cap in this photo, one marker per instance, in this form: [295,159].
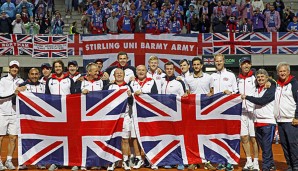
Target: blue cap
[73,62]
[245,59]
[45,65]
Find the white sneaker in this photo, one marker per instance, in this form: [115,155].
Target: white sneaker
[111,167]
[132,160]
[138,163]
[125,165]
[53,167]
[83,168]
[248,166]
[22,167]
[75,168]
[256,166]
[154,167]
[2,167]
[40,166]
[9,165]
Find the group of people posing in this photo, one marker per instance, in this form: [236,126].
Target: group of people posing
[265,102]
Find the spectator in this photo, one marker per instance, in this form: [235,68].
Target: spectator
[166,11]
[133,10]
[43,21]
[219,9]
[205,9]
[162,23]
[25,15]
[232,25]
[175,26]
[31,27]
[139,23]
[9,8]
[112,23]
[73,28]
[245,27]
[28,5]
[272,20]
[126,5]
[219,23]
[204,24]
[247,10]
[194,24]
[81,6]
[233,9]
[125,23]
[189,13]
[155,10]
[5,23]
[41,4]
[279,7]
[150,22]
[177,11]
[267,8]
[144,8]
[57,24]
[258,21]
[287,18]
[258,4]
[97,22]
[68,7]
[293,26]
[18,25]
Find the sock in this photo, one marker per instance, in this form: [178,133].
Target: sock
[125,157]
[139,157]
[9,158]
[249,159]
[256,160]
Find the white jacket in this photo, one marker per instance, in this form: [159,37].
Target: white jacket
[158,78]
[173,86]
[8,85]
[148,86]
[62,86]
[264,105]
[224,80]
[88,85]
[246,85]
[285,107]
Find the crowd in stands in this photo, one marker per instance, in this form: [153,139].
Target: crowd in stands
[148,16]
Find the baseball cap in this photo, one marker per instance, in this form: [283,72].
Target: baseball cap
[45,65]
[245,59]
[73,62]
[3,11]
[14,62]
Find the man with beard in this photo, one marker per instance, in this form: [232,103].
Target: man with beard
[272,20]
[32,84]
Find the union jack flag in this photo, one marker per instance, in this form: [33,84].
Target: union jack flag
[72,130]
[188,130]
[274,43]
[231,43]
[206,43]
[75,45]
[50,46]
[140,46]
[13,44]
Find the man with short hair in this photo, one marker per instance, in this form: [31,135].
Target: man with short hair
[246,85]
[32,84]
[120,83]
[72,68]
[141,85]
[286,114]
[224,82]
[8,118]
[129,71]
[155,72]
[91,81]
[272,20]
[199,83]
[46,70]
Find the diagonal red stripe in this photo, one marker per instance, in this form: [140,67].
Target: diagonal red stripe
[106,102]
[219,103]
[223,145]
[108,149]
[35,106]
[43,152]
[164,151]
[143,102]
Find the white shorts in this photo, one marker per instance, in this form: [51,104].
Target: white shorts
[8,124]
[133,129]
[247,124]
[126,127]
